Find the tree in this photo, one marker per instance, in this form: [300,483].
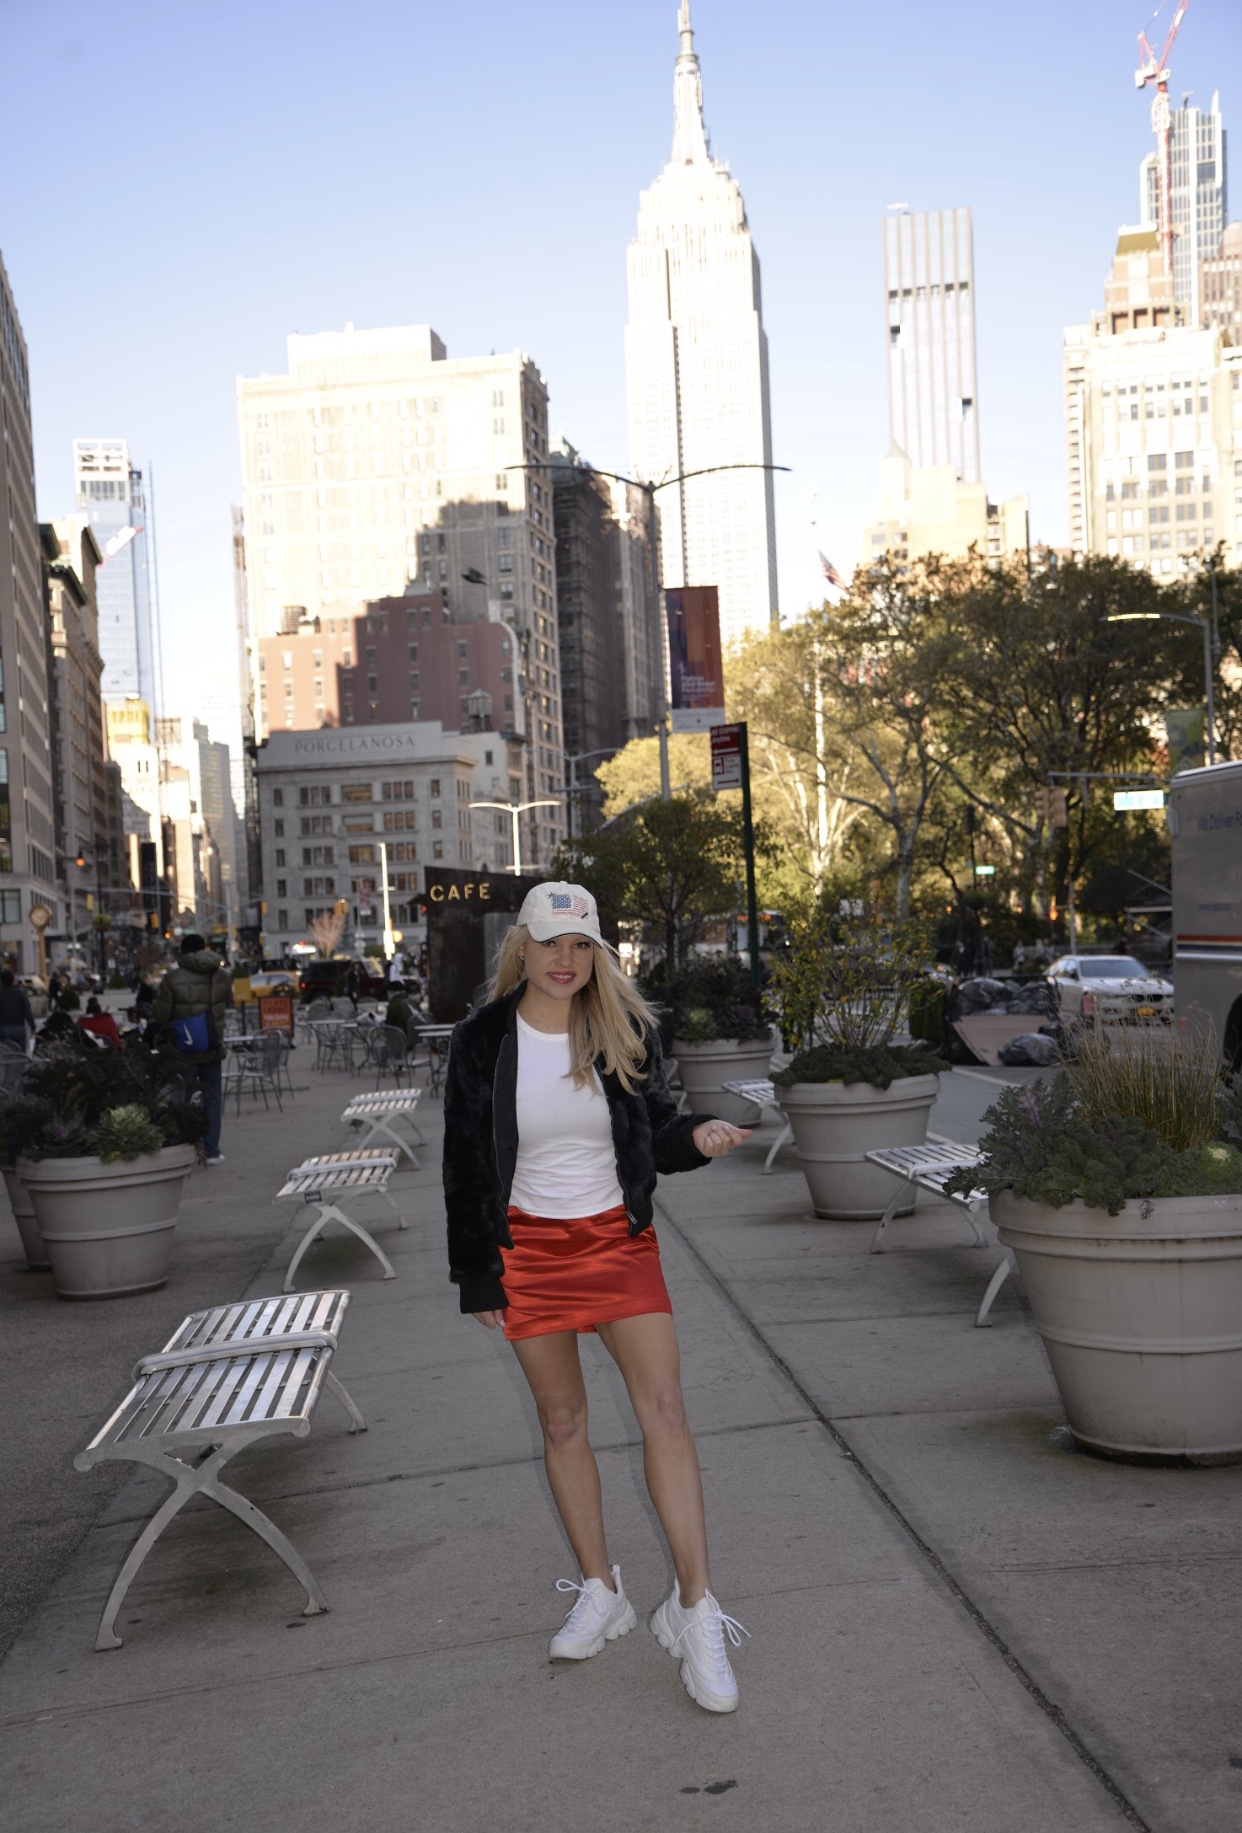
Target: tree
[670,867]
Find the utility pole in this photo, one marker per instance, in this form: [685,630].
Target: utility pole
[748,844]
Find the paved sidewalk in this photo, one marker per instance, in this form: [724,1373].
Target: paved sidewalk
[957,1622]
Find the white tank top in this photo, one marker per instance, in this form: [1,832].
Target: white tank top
[566,1161]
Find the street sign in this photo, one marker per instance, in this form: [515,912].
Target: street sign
[985,871]
[726,742]
[1138,798]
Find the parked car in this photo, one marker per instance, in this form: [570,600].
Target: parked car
[321,979]
[278,980]
[1107,989]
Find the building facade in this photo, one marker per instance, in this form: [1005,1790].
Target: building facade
[378,461]
[929,293]
[1199,195]
[635,572]
[1220,286]
[110,493]
[79,745]
[928,510]
[336,805]
[398,660]
[696,361]
[1153,409]
[29,869]
[590,630]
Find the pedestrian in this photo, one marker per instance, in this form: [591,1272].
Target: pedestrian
[192,1000]
[396,971]
[557,1119]
[100,1023]
[355,981]
[16,1015]
[53,990]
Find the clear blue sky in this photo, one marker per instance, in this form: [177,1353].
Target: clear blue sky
[181,185]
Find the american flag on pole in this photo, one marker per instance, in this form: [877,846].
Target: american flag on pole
[829,571]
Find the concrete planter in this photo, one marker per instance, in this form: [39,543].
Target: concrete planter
[1141,1316]
[108,1229]
[836,1123]
[705,1068]
[27,1225]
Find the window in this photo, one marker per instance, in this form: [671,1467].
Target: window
[362,855]
[437,849]
[1157,461]
[1129,490]
[278,798]
[434,786]
[395,820]
[318,795]
[280,888]
[356,792]
[437,819]
[1184,461]
[1158,512]
[278,828]
[282,919]
[280,856]
[10,906]
[398,792]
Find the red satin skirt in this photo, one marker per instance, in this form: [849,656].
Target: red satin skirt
[574,1274]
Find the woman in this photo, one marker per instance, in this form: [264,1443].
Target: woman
[557,1119]
[100,1023]
[16,1016]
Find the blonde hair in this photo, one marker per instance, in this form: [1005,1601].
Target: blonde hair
[609,1020]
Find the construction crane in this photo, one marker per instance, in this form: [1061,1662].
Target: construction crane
[1154,71]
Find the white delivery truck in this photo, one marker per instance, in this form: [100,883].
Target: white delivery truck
[1205,824]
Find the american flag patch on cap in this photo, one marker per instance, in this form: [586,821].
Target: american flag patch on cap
[564,904]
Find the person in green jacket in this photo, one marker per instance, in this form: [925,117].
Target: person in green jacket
[199,988]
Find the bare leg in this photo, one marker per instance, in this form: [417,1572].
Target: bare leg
[645,1350]
[552,1368]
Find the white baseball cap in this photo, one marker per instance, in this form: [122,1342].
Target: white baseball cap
[558,909]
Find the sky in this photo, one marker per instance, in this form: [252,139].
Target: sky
[181,185]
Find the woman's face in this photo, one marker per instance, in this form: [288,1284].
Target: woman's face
[560,967]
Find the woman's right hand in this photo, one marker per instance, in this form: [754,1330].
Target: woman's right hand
[492,1319]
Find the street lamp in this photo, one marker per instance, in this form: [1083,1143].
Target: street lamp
[573,759]
[515,810]
[649,491]
[1205,625]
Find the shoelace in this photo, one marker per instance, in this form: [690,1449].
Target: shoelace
[592,1602]
[715,1626]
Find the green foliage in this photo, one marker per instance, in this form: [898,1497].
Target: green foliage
[124,1132]
[1042,1145]
[66,1093]
[880,1065]
[669,867]
[68,1001]
[847,980]
[711,997]
[928,1001]
[117,983]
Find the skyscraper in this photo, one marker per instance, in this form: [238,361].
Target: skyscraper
[110,493]
[1199,194]
[697,368]
[377,461]
[929,285]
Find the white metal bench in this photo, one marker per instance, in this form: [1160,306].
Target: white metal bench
[225,1379]
[323,1181]
[380,1108]
[763,1093]
[930,1167]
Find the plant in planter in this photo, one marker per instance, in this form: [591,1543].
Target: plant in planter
[103,1142]
[1118,1185]
[844,988]
[719,1030]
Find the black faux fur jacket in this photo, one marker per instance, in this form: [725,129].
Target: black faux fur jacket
[481,1142]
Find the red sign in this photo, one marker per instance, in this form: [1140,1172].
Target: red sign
[276,1013]
[696,695]
[726,757]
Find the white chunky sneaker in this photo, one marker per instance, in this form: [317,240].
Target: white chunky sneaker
[597,1616]
[697,1638]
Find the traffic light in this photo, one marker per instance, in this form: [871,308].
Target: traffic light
[1050,805]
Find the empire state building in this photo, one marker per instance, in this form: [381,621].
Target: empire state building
[697,369]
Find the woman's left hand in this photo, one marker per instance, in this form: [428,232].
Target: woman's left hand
[716,1138]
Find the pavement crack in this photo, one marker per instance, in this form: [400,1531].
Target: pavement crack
[1049,1707]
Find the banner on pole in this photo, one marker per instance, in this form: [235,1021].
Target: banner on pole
[726,757]
[696,697]
[1184,732]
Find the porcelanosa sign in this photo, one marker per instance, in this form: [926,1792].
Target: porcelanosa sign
[355,744]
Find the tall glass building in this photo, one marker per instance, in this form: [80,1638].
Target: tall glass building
[1200,197]
[109,492]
